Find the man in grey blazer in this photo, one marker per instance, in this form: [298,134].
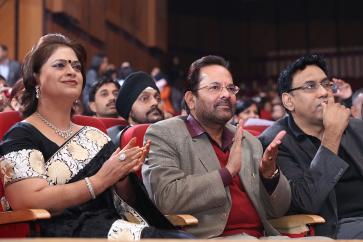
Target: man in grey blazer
[203,166]
[322,153]
[10,69]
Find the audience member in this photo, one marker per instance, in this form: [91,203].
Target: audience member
[321,154]
[278,111]
[73,171]
[138,102]
[265,107]
[123,72]
[16,94]
[4,93]
[102,98]
[164,89]
[245,110]
[98,68]
[357,103]
[204,166]
[342,92]
[9,69]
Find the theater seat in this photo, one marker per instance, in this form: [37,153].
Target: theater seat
[89,121]
[16,224]
[256,129]
[8,119]
[137,131]
[110,122]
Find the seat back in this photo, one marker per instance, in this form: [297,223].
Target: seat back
[137,131]
[19,230]
[109,122]
[7,120]
[256,129]
[253,132]
[89,121]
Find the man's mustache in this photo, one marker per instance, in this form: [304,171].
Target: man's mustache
[154,109]
[113,103]
[223,103]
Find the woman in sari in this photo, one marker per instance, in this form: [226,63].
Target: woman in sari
[73,171]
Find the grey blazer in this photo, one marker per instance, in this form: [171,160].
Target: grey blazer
[181,175]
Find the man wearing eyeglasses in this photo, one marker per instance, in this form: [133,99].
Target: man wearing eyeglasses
[201,165]
[322,153]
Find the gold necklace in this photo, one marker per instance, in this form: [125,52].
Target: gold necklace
[65,134]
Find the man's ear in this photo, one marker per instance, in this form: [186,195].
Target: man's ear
[92,106]
[190,100]
[286,100]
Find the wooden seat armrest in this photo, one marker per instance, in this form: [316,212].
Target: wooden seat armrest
[291,222]
[23,215]
[182,220]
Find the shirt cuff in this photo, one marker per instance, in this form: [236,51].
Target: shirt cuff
[226,176]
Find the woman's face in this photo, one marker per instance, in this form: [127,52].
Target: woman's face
[60,76]
[250,112]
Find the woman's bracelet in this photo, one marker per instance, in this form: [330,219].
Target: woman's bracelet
[90,188]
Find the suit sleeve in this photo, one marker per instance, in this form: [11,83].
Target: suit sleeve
[171,188]
[310,184]
[277,203]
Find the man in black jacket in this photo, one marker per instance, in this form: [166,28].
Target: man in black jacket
[322,153]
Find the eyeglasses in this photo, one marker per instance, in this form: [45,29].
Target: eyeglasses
[312,86]
[216,88]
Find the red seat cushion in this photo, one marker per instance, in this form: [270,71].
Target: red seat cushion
[89,121]
[137,131]
[109,122]
[7,120]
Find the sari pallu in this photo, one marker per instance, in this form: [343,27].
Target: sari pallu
[27,153]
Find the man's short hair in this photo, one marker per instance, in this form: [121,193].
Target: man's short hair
[284,81]
[193,77]
[97,85]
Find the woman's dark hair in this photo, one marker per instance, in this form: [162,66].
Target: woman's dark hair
[242,106]
[193,77]
[36,58]
[16,89]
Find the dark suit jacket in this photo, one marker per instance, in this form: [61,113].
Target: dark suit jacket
[313,173]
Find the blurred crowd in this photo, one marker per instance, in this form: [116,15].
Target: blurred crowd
[258,102]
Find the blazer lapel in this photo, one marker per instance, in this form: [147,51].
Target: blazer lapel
[204,150]
[250,180]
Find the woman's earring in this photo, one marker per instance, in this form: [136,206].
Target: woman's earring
[37,92]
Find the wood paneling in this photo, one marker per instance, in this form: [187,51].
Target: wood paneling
[30,24]
[7,26]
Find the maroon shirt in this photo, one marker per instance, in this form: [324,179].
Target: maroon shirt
[243,217]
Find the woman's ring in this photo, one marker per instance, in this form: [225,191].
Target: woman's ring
[122,156]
